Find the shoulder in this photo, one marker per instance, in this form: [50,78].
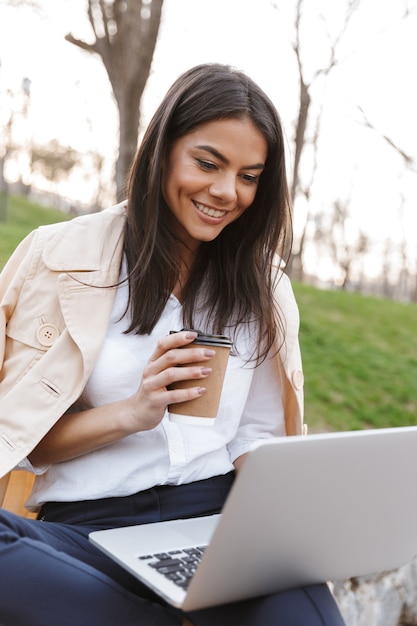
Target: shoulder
[284,294]
[98,220]
[85,242]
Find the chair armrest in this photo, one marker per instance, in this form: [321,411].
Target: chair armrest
[3,487]
[14,491]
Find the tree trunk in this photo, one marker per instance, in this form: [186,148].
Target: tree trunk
[126,32]
[300,132]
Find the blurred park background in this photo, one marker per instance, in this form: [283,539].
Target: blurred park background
[79,80]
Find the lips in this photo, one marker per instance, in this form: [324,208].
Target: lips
[209,210]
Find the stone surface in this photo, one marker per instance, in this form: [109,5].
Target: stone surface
[383,599]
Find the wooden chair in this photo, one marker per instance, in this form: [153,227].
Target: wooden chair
[14,491]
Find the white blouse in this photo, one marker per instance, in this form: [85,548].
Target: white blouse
[250,409]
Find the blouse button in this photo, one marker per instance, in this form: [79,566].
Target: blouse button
[47,334]
[298,379]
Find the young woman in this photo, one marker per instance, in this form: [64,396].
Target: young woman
[88,360]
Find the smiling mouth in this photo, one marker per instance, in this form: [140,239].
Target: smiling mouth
[209,211]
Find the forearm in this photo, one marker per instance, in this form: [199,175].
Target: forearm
[79,433]
[76,434]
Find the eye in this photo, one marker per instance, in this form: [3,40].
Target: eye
[250,179]
[206,165]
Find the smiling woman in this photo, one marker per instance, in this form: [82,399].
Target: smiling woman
[86,409]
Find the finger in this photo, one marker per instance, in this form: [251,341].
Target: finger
[183,376]
[179,357]
[186,356]
[173,340]
[175,396]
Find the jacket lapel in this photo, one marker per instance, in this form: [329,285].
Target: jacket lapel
[88,262]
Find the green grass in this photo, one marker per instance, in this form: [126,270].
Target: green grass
[359,353]
[21,218]
[360,360]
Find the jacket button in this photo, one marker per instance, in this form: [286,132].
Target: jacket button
[298,379]
[47,334]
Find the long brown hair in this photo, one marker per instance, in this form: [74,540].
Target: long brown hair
[232,275]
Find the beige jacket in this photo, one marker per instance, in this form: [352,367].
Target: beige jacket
[54,313]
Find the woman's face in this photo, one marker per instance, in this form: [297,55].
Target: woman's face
[211,175]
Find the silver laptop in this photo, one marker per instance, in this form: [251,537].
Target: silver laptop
[302,510]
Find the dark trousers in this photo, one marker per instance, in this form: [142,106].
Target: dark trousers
[51,574]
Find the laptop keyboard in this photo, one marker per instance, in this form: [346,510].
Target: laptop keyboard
[178,566]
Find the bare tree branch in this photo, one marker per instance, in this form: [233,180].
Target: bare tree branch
[408,160]
[31,4]
[80,43]
[305,104]
[305,86]
[105,21]
[352,6]
[24,4]
[91,19]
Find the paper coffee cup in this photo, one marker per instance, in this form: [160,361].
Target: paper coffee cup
[203,410]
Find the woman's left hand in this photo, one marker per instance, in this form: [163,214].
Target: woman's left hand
[148,404]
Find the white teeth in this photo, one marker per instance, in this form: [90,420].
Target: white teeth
[207,211]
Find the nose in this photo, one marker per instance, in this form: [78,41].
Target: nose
[224,187]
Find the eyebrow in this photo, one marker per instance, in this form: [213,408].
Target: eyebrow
[222,158]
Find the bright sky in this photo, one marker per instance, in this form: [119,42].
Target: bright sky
[71,100]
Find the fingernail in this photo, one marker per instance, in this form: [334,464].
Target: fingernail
[201,390]
[191,335]
[206,371]
[208,352]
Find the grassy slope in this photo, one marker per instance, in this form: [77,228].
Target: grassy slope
[360,360]
[359,353]
[22,217]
